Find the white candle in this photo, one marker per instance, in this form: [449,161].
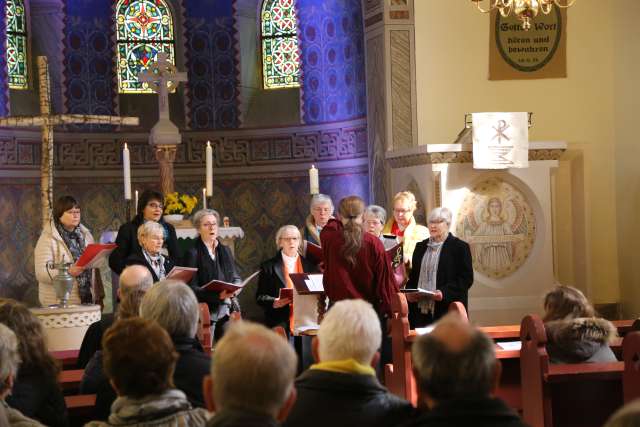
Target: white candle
[314,180]
[209,159]
[135,207]
[126,165]
[204,198]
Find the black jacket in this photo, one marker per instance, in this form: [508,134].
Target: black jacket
[223,268]
[191,368]
[455,272]
[481,412]
[92,340]
[139,259]
[127,242]
[271,279]
[38,397]
[345,400]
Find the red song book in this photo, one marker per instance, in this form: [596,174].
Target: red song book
[286,293]
[184,274]
[306,284]
[219,285]
[94,253]
[313,252]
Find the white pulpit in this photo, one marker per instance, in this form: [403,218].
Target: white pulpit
[65,327]
[504,215]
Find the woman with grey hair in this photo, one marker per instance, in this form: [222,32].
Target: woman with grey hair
[321,210]
[214,261]
[442,265]
[151,239]
[374,219]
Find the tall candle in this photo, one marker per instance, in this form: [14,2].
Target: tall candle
[135,207]
[204,198]
[314,180]
[209,159]
[126,165]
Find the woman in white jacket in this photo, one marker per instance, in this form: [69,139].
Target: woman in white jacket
[64,237]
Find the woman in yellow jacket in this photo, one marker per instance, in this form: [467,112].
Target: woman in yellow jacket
[403,224]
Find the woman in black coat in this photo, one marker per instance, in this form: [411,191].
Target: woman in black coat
[274,275]
[150,240]
[441,264]
[149,208]
[214,261]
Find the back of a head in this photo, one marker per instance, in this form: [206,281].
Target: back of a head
[351,210]
[627,416]
[350,330]
[31,339]
[174,306]
[566,302]
[135,281]
[9,356]
[139,357]
[253,369]
[454,361]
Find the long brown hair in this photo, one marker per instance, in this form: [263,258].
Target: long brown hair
[351,208]
[31,340]
[566,302]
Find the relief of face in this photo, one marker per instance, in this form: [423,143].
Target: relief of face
[289,242]
[153,210]
[402,213]
[70,219]
[152,243]
[372,224]
[208,228]
[321,214]
[495,207]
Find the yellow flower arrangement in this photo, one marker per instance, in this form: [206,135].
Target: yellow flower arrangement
[175,203]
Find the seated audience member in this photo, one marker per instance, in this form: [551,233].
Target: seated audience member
[627,416]
[135,284]
[139,359]
[150,237]
[36,392]
[9,361]
[342,388]
[456,372]
[251,382]
[574,333]
[374,219]
[135,280]
[174,306]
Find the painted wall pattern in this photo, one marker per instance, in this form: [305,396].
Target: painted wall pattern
[89,72]
[333,60]
[212,63]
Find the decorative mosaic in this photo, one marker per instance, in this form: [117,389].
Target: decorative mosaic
[16,52]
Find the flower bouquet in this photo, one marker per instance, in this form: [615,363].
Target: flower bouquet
[177,205]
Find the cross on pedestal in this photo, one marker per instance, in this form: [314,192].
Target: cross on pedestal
[46,121]
[163,77]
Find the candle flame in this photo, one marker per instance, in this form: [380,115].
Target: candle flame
[125,146]
[208,143]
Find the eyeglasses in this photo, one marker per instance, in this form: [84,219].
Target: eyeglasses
[402,211]
[289,238]
[321,210]
[155,205]
[210,224]
[73,212]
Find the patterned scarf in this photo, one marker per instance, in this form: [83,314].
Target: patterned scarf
[156,262]
[429,274]
[76,244]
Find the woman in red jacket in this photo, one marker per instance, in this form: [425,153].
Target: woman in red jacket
[355,263]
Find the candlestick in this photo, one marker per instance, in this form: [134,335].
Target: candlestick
[126,166]
[314,180]
[204,198]
[209,159]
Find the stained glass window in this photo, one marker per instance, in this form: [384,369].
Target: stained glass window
[280,56]
[143,28]
[17,45]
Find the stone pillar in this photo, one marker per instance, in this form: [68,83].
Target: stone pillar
[166,155]
[391,87]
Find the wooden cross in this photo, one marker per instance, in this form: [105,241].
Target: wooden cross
[46,121]
[162,77]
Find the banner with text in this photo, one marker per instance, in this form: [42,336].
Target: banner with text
[539,53]
[500,140]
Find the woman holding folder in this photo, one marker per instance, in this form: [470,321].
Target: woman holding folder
[65,238]
[214,261]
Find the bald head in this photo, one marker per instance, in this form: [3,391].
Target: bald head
[454,361]
[135,277]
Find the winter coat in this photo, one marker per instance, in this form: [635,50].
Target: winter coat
[583,339]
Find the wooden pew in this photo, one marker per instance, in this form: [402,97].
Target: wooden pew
[204,333]
[70,380]
[564,395]
[68,358]
[80,405]
[631,357]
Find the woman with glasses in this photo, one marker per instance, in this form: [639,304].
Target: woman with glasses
[65,238]
[403,224]
[214,261]
[149,209]
[442,265]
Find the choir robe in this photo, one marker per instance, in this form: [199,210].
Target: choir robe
[370,279]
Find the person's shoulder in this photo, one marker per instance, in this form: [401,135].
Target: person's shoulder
[332,226]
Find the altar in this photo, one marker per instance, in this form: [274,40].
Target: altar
[505,215]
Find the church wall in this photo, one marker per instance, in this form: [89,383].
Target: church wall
[333,60]
[626,106]
[452,40]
